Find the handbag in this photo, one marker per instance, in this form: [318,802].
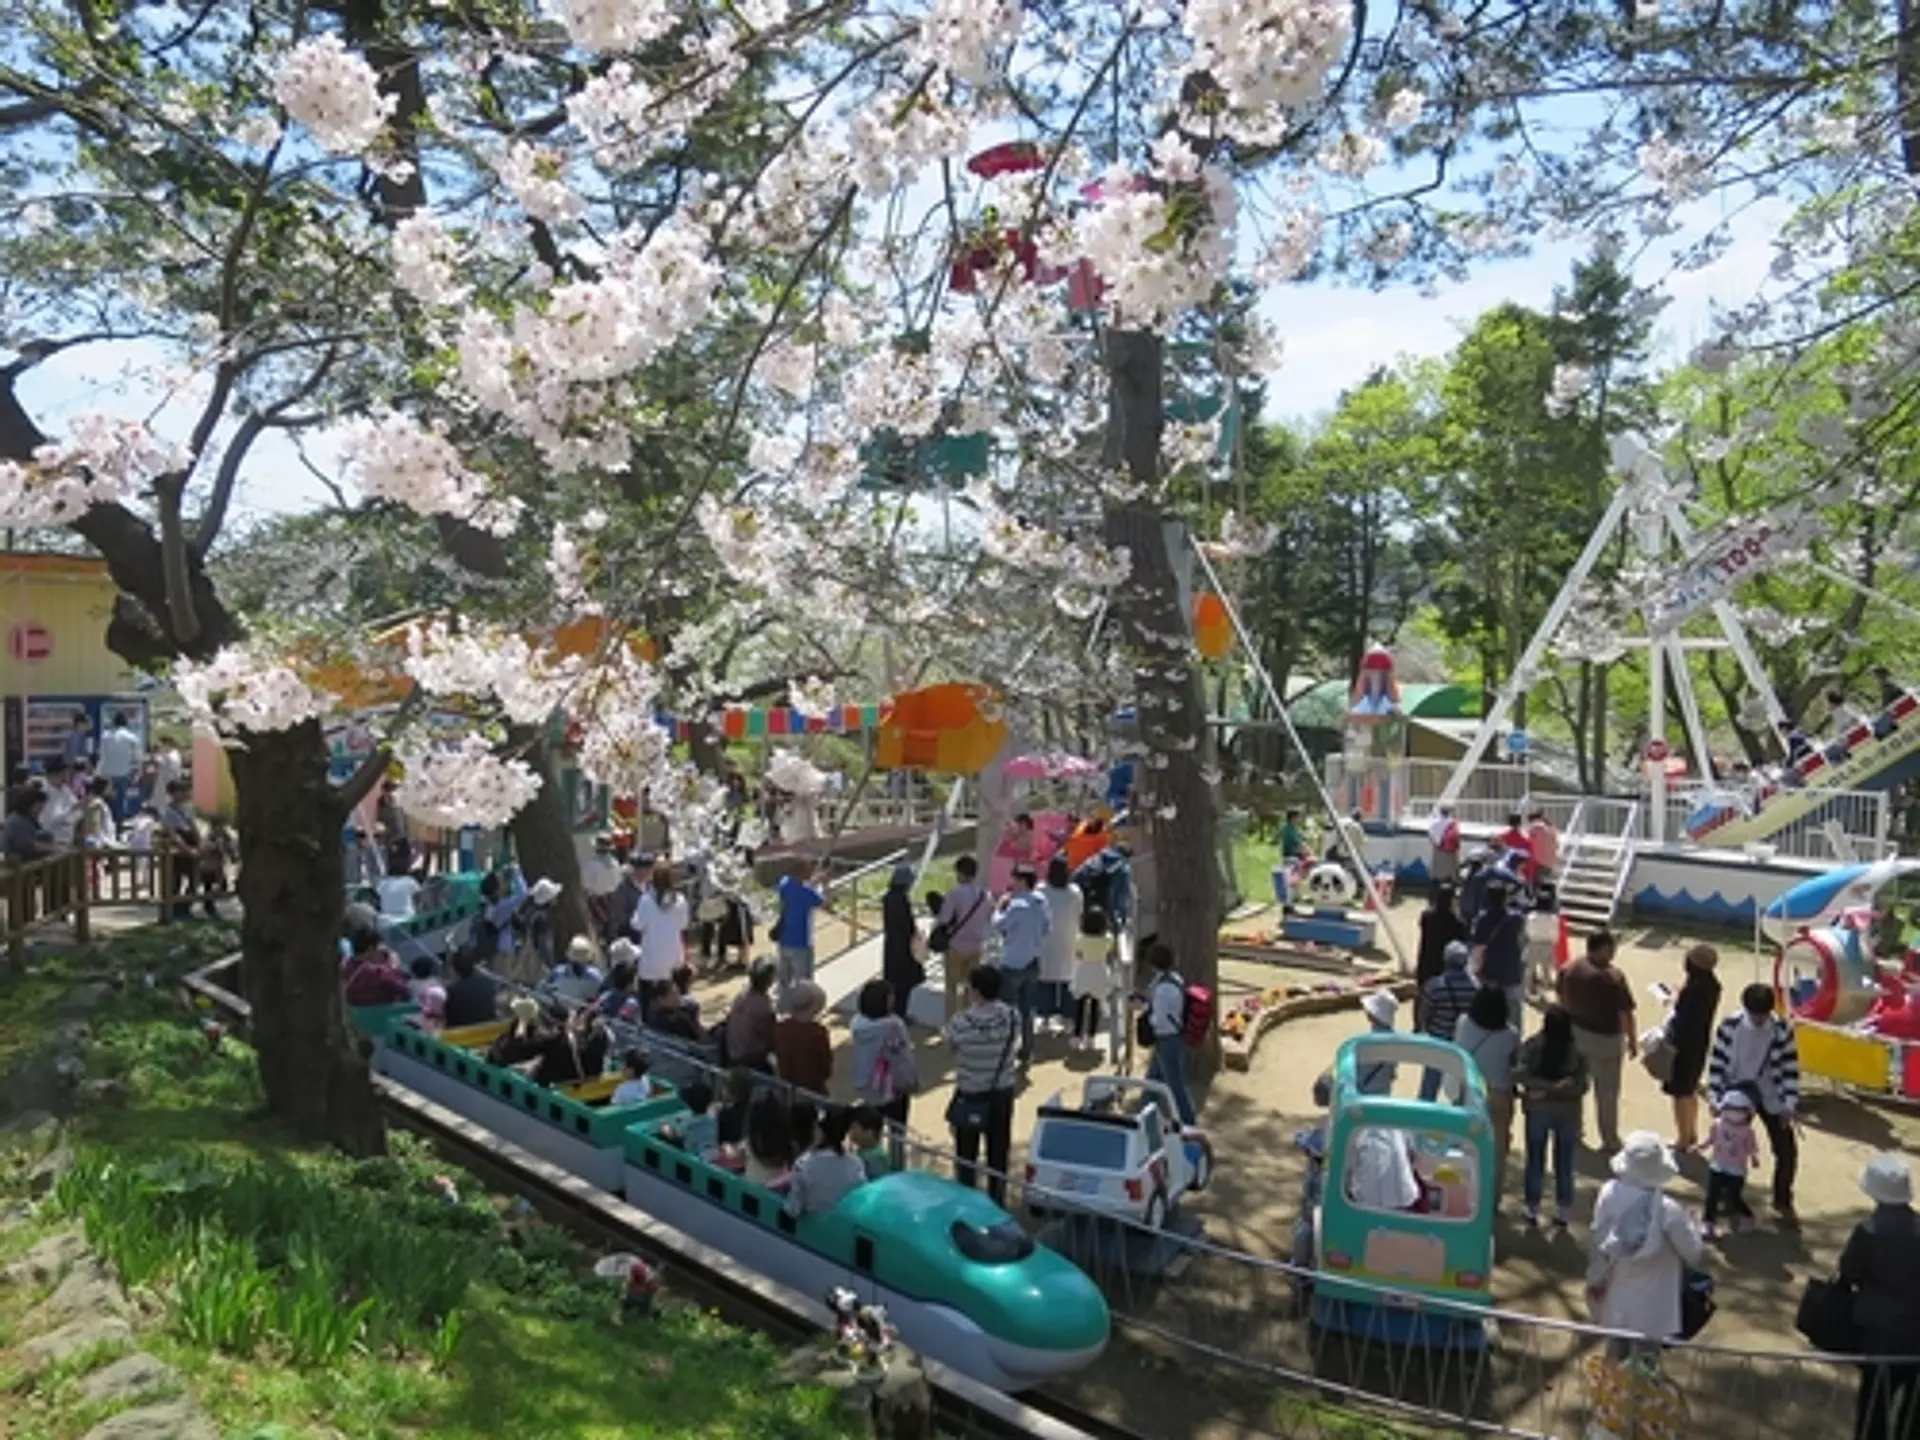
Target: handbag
[1825,1317]
[1656,1054]
[941,937]
[971,1110]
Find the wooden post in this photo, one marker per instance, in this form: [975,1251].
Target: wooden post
[15,879]
[163,881]
[80,918]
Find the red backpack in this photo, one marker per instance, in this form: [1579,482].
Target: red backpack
[1196,1014]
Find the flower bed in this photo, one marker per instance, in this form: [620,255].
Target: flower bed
[1243,1025]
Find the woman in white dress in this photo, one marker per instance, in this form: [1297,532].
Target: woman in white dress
[1064,903]
[1643,1241]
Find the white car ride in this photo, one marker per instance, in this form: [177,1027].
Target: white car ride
[1122,1153]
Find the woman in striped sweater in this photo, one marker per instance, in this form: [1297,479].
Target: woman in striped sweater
[1757,1048]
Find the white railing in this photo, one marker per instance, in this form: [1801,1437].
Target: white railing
[1860,815]
[1623,860]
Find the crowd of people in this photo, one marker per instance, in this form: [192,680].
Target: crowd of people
[118,796]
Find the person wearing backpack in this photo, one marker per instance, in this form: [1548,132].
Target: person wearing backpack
[1166,1022]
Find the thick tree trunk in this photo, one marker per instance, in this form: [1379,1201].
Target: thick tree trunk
[543,840]
[293,889]
[1181,809]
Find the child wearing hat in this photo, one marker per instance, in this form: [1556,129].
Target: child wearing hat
[1376,1076]
[1734,1149]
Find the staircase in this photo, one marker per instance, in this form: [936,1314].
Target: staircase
[1593,874]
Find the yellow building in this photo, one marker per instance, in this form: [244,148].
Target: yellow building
[54,658]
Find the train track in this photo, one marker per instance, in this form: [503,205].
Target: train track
[962,1405]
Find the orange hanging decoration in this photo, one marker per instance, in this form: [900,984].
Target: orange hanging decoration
[1212,630]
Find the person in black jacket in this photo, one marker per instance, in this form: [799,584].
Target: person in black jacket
[1881,1265]
[1690,1033]
[1440,926]
[899,966]
[470,999]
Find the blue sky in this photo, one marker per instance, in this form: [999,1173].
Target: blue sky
[1333,338]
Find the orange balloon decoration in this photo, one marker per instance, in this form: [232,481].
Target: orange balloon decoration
[1212,629]
[946,728]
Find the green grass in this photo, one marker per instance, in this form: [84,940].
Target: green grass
[301,1294]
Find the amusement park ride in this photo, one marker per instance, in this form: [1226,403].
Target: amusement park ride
[1690,575]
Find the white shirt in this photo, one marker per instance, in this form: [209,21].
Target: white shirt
[396,895]
[600,874]
[1063,928]
[1383,1177]
[660,930]
[632,1092]
[140,832]
[166,769]
[119,754]
[1747,1060]
[59,815]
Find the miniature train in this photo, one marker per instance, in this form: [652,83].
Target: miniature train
[960,1280]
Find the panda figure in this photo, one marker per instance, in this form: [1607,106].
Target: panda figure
[1329,888]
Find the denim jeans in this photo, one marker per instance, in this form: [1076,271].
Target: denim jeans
[1020,988]
[1563,1130]
[1169,1067]
[122,786]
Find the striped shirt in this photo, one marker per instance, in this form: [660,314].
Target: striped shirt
[981,1037]
[1448,996]
[1770,1061]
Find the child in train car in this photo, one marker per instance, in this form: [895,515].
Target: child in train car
[698,1131]
[825,1171]
[524,1035]
[736,1096]
[867,1133]
[428,993]
[768,1146]
[635,1087]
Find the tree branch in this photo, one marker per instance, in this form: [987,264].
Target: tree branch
[360,784]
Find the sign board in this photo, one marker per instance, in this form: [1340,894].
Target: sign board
[1656,750]
[1721,565]
[1517,743]
[30,642]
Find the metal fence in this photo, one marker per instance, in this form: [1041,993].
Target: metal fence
[1854,821]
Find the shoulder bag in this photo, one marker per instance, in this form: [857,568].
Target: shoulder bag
[1825,1317]
[941,939]
[970,1110]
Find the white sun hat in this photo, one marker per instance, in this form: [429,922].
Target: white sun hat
[580,950]
[1887,1180]
[546,891]
[1380,1008]
[1644,1160]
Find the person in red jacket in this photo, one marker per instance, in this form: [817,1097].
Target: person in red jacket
[371,975]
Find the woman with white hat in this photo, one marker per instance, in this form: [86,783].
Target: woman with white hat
[1881,1265]
[1643,1241]
[577,978]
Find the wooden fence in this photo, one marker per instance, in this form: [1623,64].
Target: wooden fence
[70,885]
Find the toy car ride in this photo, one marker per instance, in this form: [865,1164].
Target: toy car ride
[1121,1154]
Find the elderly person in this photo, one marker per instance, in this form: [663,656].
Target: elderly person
[1881,1265]
[1642,1243]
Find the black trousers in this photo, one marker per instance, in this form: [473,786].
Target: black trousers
[1786,1155]
[998,1135]
[1727,1190]
[1884,1409]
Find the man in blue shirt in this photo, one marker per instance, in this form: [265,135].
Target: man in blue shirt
[1022,926]
[793,931]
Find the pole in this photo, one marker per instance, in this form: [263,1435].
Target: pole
[1300,749]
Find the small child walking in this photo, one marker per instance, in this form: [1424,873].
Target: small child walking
[1733,1150]
[1092,981]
